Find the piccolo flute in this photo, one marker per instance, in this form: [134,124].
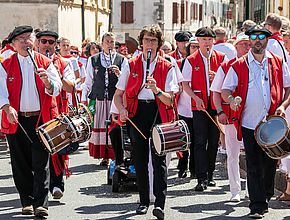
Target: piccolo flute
[47,53]
[208,58]
[148,63]
[32,59]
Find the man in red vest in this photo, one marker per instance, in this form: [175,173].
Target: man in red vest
[259,78]
[225,117]
[46,46]
[181,38]
[198,72]
[148,103]
[27,98]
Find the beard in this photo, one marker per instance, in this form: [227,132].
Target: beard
[258,47]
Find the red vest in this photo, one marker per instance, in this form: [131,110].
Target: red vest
[198,80]
[226,106]
[62,98]
[135,84]
[48,103]
[175,55]
[276,86]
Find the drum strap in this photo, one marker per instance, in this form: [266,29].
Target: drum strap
[174,108]
[155,118]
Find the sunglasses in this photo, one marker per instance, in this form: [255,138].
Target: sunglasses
[260,36]
[44,41]
[74,52]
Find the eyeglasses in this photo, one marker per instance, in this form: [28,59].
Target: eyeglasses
[194,47]
[152,41]
[23,39]
[74,52]
[243,44]
[260,36]
[44,41]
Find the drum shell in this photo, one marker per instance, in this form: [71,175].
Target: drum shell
[56,134]
[171,137]
[281,148]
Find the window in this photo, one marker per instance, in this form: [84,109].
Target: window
[200,12]
[175,13]
[182,13]
[127,12]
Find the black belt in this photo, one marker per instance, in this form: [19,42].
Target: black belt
[146,101]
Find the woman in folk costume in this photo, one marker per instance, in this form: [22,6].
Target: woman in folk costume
[103,70]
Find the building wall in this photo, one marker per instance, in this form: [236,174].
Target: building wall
[37,15]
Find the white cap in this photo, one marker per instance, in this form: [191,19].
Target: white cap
[241,37]
[193,40]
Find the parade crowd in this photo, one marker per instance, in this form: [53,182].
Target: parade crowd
[220,89]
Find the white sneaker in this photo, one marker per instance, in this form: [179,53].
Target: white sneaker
[256,215]
[57,193]
[235,198]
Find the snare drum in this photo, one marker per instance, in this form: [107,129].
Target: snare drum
[83,128]
[273,137]
[170,137]
[82,111]
[58,133]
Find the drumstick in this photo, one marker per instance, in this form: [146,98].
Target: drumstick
[214,122]
[25,132]
[136,128]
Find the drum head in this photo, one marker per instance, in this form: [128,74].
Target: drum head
[272,131]
[156,140]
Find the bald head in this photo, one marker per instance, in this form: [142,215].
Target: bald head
[220,33]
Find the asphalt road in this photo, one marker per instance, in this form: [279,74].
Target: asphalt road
[87,196]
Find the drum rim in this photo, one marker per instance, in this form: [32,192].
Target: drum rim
[157,128]
[280,141]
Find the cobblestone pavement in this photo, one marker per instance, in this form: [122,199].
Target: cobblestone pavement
[87,196]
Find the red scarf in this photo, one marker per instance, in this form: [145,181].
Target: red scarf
[219,42]
[7,47]
[278,36]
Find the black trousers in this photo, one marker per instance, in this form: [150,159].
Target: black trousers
[144,119]
[206,137]
[30,164]
[116,140]
[56,181]
[183,161]
[261,171]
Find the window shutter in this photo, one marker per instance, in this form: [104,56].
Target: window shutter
[182,13]
[129,12]
[200,12]
[174,13]
[123,12]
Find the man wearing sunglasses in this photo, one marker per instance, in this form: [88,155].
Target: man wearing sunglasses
[46,46]
[259,78]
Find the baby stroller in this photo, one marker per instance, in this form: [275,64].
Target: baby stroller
[121,175]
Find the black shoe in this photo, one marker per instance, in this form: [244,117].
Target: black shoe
[182,174]
[158,212]
[193,176]
[200,187]
[142,210]
[211,183]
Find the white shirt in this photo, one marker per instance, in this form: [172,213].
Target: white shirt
[68,73]
[187,70]
[258,89]
[179,76]
[87,85]
[228,49]
[6,54]
[73,62]
[29,100]
[277,47]
[217,83]
[83,60]
[146,94]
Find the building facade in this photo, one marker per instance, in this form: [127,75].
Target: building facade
[73,19]
[129,16]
